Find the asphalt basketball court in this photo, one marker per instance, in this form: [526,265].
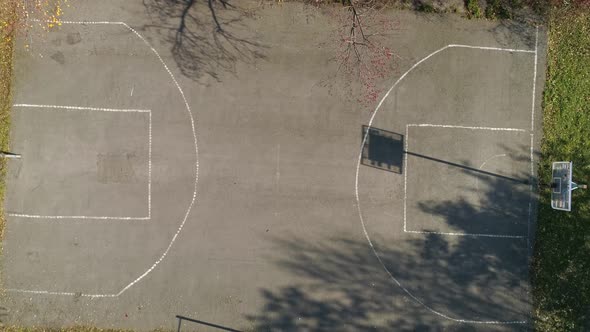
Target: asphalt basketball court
[107,185]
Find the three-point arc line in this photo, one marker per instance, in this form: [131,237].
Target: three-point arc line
[356,187]
[356,181]
[196,170]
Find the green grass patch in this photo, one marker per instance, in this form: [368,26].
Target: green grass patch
[472,7]
[425,8]
[7,31]
[561,264]
[495,9]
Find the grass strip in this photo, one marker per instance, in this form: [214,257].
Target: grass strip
[7,36]
[561,264]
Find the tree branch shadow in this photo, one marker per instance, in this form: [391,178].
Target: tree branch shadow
[416,278]
[208,37]
[346,289]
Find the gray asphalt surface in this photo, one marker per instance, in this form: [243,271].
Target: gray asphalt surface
[274,240]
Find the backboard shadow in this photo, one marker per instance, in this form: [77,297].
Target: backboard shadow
[382,149]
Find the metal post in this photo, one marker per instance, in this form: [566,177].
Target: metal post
[9,155]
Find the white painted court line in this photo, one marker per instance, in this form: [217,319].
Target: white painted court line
[70,108]
[81,22]
[194,196]
[13,290]
[407,138]
[534,79]
[532,188]
[469,234]
[531,192]
[194,132]
[39,292]
[364,227]
[38,216]
[513,50]
[80,108]
[150,166]
[483,164]
[464,127]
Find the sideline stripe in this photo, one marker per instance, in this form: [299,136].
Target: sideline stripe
[534,80]
[464,127]
[470,234]
[80,108]
[37,216]
[13,290]
[150,167]
[78,22]
[407,138]
[492,48]
[532,187]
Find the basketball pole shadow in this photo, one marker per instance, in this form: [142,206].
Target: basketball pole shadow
[385,150]
[467,168]
[192,320]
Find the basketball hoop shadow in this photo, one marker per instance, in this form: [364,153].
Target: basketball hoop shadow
[382,149]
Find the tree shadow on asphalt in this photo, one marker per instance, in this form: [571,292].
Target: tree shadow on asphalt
[510,32]
[344,287]
[506,32]
[208,37]
[498,205]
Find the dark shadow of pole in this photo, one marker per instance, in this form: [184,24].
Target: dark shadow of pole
[468,168]
[223,328]
[384,150]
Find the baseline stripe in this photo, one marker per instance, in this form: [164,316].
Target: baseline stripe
[81,108]
[471,234]
[532,187]
[39,292]
[37,216]
[465,127]
[77,22]
[492,48]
